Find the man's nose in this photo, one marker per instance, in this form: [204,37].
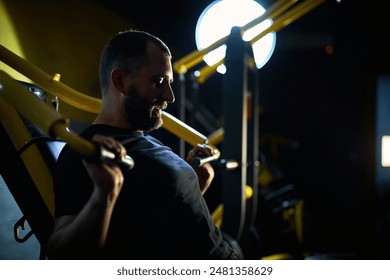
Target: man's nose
[168,94]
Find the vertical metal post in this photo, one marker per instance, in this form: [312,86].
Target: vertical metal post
[234,108]
[253,145]
[182,110]
[194,99]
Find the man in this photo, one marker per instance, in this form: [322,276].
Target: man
[155,210]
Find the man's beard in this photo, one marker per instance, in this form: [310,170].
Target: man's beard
[139,113]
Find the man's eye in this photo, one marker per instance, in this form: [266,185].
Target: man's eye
[158,82]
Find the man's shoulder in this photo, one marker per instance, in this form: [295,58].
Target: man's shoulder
[67,150]
[90,131]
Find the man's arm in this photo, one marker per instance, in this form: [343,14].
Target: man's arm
[84,235]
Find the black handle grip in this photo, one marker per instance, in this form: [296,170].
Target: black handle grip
[199,161]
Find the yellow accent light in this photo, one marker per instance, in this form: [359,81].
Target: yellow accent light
[182,130]
[281,256]
[56,77]
[299,220]
[8,37]
[206,71]
[248,192]
[216,137]
[217,215]
[287,18]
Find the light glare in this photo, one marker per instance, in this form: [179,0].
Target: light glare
[385,158]
[217,20]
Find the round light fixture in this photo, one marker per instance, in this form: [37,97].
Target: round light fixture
[216,22]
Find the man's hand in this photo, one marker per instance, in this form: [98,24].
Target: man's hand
[107,177]
[205,172]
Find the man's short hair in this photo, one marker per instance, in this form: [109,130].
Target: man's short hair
[127,50]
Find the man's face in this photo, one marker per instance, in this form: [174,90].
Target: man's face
[149,92]
[142,114]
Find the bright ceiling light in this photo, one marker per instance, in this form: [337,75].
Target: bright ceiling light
[216,22]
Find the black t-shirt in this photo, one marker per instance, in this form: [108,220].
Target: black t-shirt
[160,213]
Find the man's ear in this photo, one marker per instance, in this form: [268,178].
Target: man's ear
[117,79]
